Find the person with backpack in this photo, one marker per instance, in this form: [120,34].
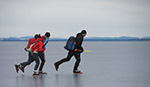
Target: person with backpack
[36,48]
[31,42]
[42,55]
[74,46]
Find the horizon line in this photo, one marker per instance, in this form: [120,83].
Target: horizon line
[85,37]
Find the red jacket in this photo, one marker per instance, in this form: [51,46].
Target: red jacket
[31,41]
[38,47]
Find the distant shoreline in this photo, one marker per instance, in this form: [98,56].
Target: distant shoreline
[122,38]
[84,40]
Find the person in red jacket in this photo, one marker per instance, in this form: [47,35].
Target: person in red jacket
[31,42]
[36,49]
[42,54]
[33,49]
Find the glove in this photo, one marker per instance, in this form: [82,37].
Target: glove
[75,49]
[80,50]
[25,49]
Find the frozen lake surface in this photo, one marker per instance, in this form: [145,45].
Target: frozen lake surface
[109,64]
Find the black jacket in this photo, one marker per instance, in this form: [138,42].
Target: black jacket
[79,40]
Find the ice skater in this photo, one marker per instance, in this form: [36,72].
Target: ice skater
[34,47]
[42,54]
[75,49]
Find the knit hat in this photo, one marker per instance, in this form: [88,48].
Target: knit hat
[47,34]
[37,36]
[83,32]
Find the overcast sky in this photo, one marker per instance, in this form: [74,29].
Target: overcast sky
[101,18]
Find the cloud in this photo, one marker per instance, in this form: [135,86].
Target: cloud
[58,16]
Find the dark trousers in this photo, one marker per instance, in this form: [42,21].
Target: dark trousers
[29,61]
[70,54]
[37,61]
[42,57]
[32,57]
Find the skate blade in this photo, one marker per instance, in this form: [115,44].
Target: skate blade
[78,73]
[35,74]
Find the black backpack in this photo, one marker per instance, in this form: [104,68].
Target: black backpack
[70,44]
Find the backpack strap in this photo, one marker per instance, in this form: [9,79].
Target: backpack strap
[36,44]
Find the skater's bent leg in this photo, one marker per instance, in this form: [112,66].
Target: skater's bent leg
[70,54]
[30,60]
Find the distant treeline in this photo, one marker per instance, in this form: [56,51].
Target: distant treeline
[123,38]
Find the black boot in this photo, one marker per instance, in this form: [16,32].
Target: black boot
[35,73]
[21,68]
[56,66]
[17,68]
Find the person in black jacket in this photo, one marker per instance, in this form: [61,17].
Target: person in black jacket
[78,50]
